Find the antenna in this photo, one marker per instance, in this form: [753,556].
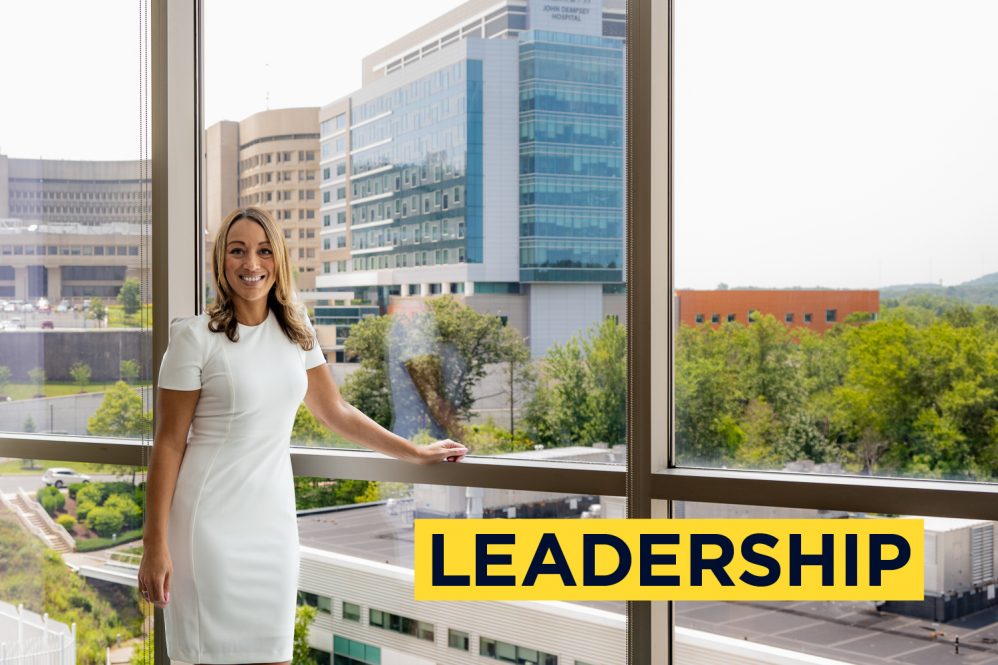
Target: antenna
[266,80]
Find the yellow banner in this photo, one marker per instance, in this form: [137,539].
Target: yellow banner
[683,559]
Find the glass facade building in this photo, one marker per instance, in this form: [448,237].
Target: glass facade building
[571,158]
[416,172]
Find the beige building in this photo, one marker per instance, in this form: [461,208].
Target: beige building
[72,229]
[269,160]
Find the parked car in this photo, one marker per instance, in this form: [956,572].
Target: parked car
[48,325]
[64,306]
[62,477]
[16,323]
[10,307]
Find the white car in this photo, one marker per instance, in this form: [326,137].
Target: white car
[63,477]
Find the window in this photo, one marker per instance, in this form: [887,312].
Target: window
[699,318]
[511,653]
[401,624]
[715,318]
[788,317]
[807,317]
[341,241]
[457,639]
[321,603]
[731,318]
[352,652]
[830,315]
[351,611]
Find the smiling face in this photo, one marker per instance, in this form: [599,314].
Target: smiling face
[250,268]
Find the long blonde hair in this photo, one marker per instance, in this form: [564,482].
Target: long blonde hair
[281,299]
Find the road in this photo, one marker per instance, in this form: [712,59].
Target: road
[33,483]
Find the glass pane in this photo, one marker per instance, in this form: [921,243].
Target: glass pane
[361,553]
[75,194]
[69,549]
[452,198]
[834,219]
[959,607]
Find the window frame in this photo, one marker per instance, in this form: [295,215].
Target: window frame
[651,479]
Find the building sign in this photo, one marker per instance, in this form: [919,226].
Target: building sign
[575,16]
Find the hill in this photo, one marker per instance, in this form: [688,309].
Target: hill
[980,291]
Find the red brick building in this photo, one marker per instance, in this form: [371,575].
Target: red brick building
[815,309]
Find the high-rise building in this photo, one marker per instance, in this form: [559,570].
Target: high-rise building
[483,157]
[72,229]
[269,160]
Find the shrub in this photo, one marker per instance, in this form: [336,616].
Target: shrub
[83,509]
[105,521]
[51,499]
[67,522]
[128,509]
[98,543]
[74,488]
[90,493]
[117,487]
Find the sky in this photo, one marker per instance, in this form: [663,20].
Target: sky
[834,143]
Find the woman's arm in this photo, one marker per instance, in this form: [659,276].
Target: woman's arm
[323,399]
[174,413]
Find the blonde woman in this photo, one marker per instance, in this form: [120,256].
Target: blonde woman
[221,537]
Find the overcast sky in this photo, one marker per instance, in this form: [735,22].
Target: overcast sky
[840,143]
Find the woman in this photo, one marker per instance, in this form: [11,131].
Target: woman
[221,540]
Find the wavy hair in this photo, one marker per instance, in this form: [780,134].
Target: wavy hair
[281,298]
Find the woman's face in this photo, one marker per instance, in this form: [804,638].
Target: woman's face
[249,261]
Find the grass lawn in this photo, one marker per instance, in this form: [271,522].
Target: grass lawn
[13,467]
[54,389]
[116,317]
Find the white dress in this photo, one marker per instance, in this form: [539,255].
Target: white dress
[233,532]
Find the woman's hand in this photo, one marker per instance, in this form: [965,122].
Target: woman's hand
[443,450]
[155,573]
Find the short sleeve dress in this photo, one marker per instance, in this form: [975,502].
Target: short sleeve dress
[233,532]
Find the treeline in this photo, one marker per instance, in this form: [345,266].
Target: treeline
[912,393]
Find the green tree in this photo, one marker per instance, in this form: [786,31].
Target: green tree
[581,392]
[130,296]
[97,310]
[36,376]
[304,616]
[120,414]
[5,376]
[80,371]
[606,361]
[420,371]
[128,370]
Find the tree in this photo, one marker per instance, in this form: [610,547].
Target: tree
[304,616]
[582,390]
[5,376]
[130,296]
[419,371]
[36,376]
[129,371]
[97,310]
[80,371]
[120,414]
